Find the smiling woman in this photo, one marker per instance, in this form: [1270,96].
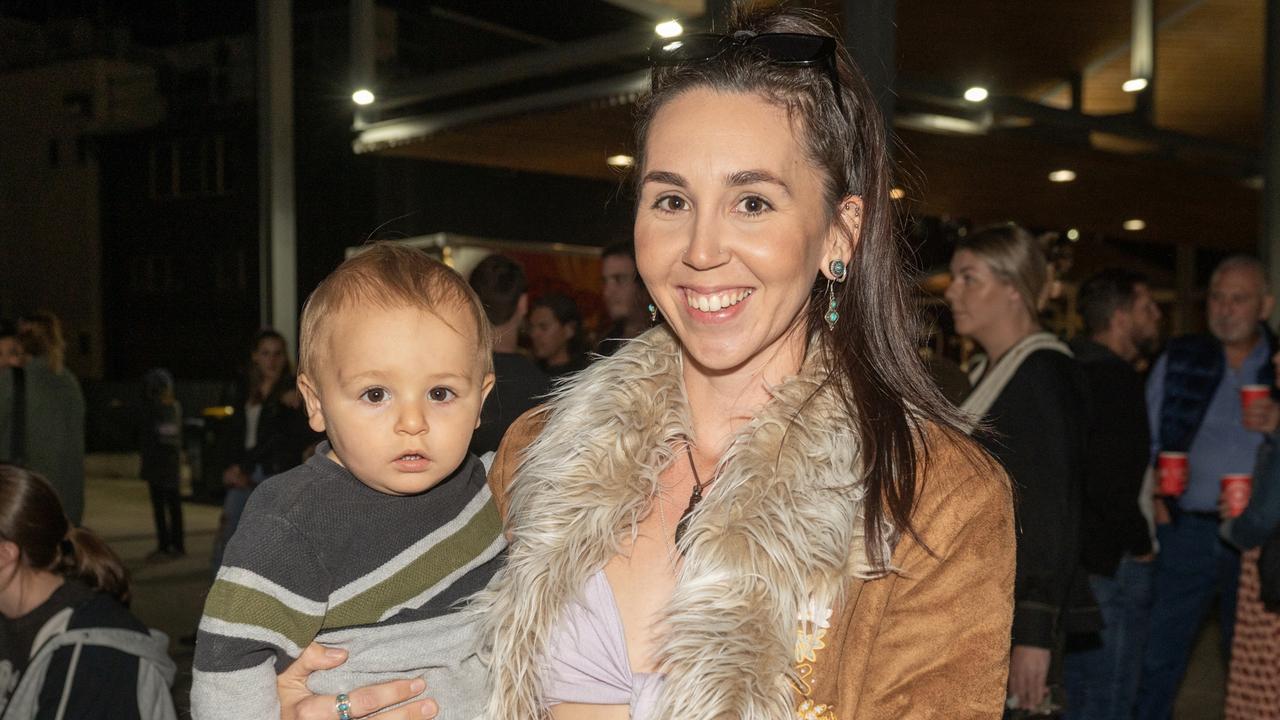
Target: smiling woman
[762,508]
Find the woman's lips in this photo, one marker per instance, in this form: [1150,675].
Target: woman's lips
[715,304]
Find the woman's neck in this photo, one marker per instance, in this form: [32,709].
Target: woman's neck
[721,401]
[27,590]
[1000,338]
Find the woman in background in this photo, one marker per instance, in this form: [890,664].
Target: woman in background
[69,648]
[1033,397]
[268,430]
[555,331]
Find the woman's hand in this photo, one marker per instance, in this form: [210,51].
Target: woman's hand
[1028,672]
[298,703]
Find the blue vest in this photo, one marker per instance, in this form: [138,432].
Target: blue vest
[1194,365]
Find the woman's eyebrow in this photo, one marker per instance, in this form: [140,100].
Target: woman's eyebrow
[666,177]
[751,177]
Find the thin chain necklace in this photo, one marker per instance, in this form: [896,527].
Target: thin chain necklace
[695,497]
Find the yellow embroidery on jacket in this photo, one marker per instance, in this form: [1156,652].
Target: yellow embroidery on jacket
[810,635]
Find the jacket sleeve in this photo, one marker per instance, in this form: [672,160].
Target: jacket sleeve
[1114,463]
[1262,516]
[941,647]
[510,454]
[1040,429]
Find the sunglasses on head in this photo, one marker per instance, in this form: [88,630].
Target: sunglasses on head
[796,49]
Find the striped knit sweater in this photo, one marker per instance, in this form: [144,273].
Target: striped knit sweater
[318,555]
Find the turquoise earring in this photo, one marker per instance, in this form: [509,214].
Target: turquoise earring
[839,272]
[653,313]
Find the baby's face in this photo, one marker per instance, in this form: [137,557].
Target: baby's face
[399,393]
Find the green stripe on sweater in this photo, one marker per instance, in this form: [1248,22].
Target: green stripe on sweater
[423,572]
[235,603]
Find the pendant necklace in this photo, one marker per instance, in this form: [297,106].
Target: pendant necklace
[694,498]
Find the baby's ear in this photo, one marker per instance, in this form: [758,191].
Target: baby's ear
[485,388]
[311,397]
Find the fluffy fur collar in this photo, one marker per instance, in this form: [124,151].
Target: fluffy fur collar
[782,526]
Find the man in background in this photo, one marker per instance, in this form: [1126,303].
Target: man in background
[625,298]
[504,291]
[1122,324]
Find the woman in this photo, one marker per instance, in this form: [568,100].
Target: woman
[1253,683]
[555,330]
[1032,397]
[68,646]
[267,431]
[763,508]
[54,428]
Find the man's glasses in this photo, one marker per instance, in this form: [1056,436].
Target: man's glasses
[796,49]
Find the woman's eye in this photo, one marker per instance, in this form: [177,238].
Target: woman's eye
[671,203]
[753,205]
[440,394]
[375,395]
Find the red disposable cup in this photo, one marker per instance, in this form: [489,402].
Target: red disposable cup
[1236,489]
[1249,393]
[1173,473]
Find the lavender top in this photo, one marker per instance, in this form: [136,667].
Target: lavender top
[587,656]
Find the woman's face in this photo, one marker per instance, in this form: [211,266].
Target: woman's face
[269,357]
[978,298]
[732,227]
[548,335]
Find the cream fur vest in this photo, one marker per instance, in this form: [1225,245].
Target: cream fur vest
[781,528]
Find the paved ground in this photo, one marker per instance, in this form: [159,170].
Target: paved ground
[169,595]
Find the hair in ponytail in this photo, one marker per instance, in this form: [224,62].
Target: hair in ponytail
[32,518]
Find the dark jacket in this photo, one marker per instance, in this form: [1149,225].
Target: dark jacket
[518,385]
[1039,432]
[1194,368]
[1119,449]
[54,429]
[281,436]
[1262,517]
[161,442]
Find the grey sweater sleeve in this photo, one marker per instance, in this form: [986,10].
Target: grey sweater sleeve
[266,605]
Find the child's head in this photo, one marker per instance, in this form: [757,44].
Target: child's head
[396,361]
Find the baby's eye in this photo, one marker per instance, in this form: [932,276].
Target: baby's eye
[441,394]
[375,395]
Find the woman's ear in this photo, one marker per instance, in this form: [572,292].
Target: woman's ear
[843,235]
[10,554]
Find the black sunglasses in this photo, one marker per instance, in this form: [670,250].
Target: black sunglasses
[797,49]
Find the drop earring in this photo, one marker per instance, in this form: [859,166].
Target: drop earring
[839,272]
[653,313]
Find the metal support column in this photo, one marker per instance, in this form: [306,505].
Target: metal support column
[277,222]
[1269,244]
[364,55]
[870,33]
[1142,58]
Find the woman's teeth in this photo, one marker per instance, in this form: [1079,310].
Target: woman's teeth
[716,302]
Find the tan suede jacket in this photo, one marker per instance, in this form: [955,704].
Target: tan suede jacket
[930,640]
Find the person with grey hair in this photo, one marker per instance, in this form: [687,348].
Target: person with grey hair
[1194,407]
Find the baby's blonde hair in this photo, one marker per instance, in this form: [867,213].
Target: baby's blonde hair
[388,275]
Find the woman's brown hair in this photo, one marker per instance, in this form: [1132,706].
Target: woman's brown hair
[1016,257]
[871,353]
[42,337]
[32,518]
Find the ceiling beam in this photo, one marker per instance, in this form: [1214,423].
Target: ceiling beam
[659,10]
[524,66]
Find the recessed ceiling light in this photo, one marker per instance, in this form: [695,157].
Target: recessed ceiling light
[1073,234]
[620,161]
[362,97]
[668,29]
[976,94]
[1135,225]
[1134,85]
[897,193]
[1062,176]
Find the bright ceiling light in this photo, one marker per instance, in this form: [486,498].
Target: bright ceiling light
[1135,225]
[1134,85]
[362,97]
[1073,234]
[620,161]
[897,193]
[1062,176]
[668,29]
[976,94]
